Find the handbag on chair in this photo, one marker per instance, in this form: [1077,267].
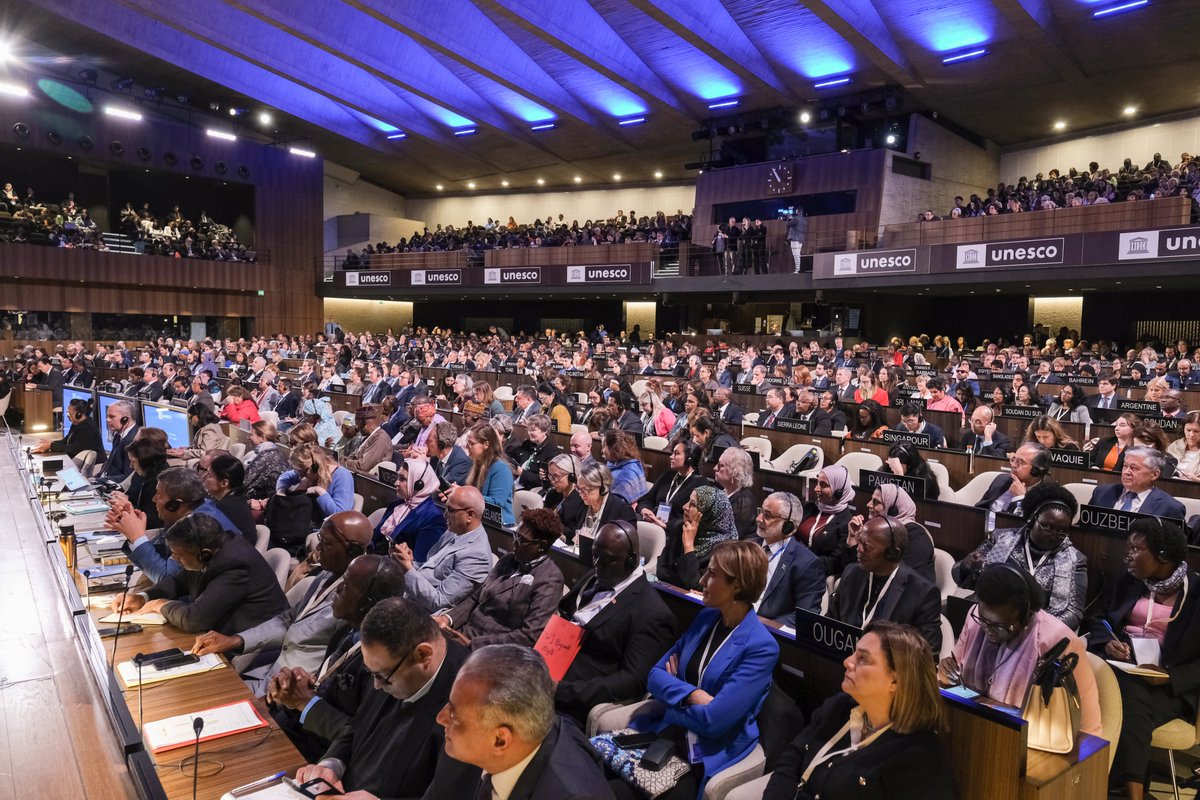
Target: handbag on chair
[1052,707]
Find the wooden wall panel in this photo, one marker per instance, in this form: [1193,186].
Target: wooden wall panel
[860,170]
[288,225]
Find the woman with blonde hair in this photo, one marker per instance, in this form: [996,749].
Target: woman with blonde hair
[657,419]
[315,472]
[1186,449]
[1155,389]
[882,737]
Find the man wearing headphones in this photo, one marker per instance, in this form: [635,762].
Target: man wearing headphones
[179,494]
[1030,466]
[882,587]
[84,434]
[913,421]
[795,576]
[122,427]
[224,584]
[313,707]
[299,636]
[628,626]
[392,745]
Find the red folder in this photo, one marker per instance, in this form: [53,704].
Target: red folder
[559,644]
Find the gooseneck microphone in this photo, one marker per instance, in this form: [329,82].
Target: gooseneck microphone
[197,726]
[139,661]
[121,613]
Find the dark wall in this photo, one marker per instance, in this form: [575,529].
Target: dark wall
[527,315]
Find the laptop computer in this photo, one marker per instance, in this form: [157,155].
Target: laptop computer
[52,466]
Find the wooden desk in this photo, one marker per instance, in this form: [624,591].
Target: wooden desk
[37,407]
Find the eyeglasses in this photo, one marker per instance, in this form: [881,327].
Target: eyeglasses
[451,511]
[386,680]
[1000,628]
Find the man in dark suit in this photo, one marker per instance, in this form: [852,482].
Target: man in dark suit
[1136,492]
[224,585]
[795,576]
[818,419]
[776,409]
[526,402]
[153,388]
[843,386]
[523,750]
[80,376]
[983,439]
[882,587]
[627,627]
[122,427]
[1043,375]
[449,460]
[378,388]
[51,381]
[913,421]
[730,412]
[1106,397]
[392,744]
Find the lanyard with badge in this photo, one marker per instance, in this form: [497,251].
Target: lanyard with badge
[866,618]
[1147,649]
[664,509]
[693,741]
[825,754]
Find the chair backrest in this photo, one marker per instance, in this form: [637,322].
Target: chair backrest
[280,561]
[376,516]
[788,458]
[84,458]
[1191,506]
[856,462]
[659,443]
[975,488]
[269,416]
[358,502]
[943,479]
[1111,708]
[374,471]
[523,499]
[1082,493]
[237,450]
[578,427]
[750,419]
[4,401]
[943,573]
[651,541]
[340,416]
[760,444]
[503,393]
[947,638]
[638,387]
[264,538]
[830,585]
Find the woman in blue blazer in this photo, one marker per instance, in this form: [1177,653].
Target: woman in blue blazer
[713,681]
[414,517]
[490,471]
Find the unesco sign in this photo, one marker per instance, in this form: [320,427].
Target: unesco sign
[1140,245]
[512,275]
[876,263]
[601,273]
[437,277]
[368,279]
[1023,253]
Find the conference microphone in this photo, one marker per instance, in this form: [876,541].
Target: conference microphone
[117,634]
[138,661]
[87,587]
[197,726]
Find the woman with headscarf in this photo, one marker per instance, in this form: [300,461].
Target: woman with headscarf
[707,519]
[826,521]
[1042,547]
[413,517]
[890,500]
[319,414]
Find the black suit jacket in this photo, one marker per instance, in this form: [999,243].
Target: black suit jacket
[236,591]
[565,768]
[620,645]
[798,582]
[1000,446]
[117,467]
[1181,645]
[537,457]
[453,468]
[82,436]
[820,423]
[288,405]
[391,748]
[1157,503]
[53,382]
[910,600]
[732,415]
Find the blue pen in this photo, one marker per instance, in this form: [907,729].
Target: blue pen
[260,784]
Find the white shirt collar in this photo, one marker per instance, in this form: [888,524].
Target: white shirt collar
[424,690]
[504,782]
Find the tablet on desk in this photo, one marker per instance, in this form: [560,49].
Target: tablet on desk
[73,480]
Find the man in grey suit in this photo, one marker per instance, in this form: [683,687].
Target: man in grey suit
[526,402]
[457,562]
[795,576]
[299,636]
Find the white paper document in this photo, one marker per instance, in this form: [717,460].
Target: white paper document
[149,618]
[129,673]
[177,731]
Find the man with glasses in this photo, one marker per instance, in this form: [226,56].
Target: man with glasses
[457,562]
[391,747]
[299,636]
[795,576]
[962,374]
[1030,466]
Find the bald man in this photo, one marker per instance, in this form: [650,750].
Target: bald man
[457,562]
[581,447]
[983,438]
[299,636]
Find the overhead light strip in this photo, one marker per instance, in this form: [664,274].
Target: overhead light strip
[631,121]
[832,82]
[115,111]
[1120,7]
[229,137]
[954,59]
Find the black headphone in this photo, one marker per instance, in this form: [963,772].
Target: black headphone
[1039,465]
[173,505]
[626,528]
[572,477]
[204,554]
[124,421]
[419,483]
[788,527]
[892,553]
[368,598]
[1030,594]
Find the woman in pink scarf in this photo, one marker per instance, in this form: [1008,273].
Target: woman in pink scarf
[1003,638]
[414,518]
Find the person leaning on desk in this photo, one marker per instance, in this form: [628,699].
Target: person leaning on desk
[225,584]
[84,434]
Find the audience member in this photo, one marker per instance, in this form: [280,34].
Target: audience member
[457,562]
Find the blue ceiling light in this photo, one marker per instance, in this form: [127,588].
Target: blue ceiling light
[545,126]
[978,52]
[729,103]
[1119,8]
[631,121]
[842,81]
[465,132]
[397,135]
